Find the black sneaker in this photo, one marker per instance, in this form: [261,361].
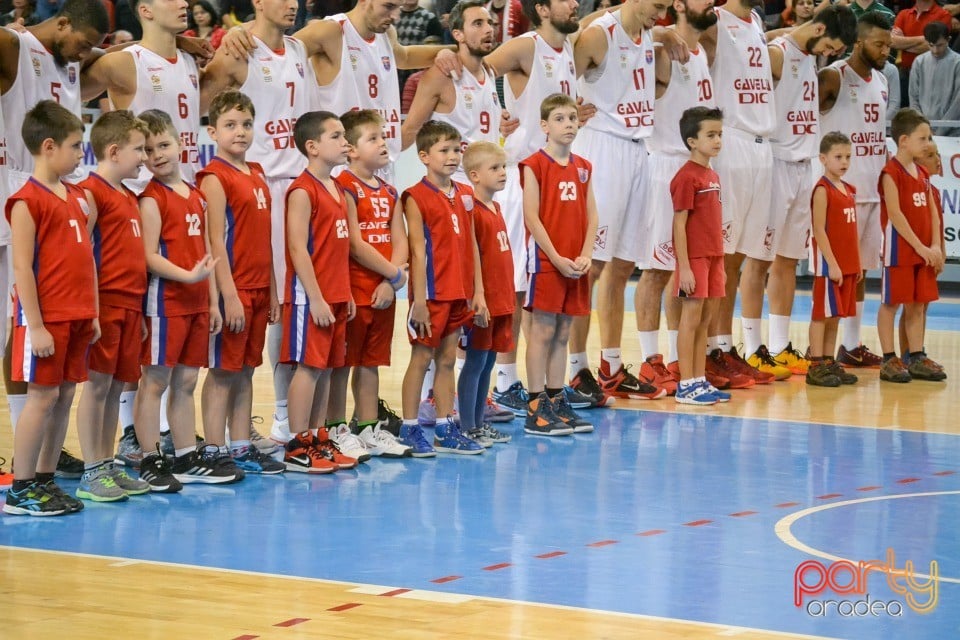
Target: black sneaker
[570,417]
[155,471]
[584,384]
[71,504]
[544,421]
[388,418]
[34,500]
[514,399]
[68,466]
[227,463]
[203,466]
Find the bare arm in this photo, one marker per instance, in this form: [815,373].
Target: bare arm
[223,72]
[419,56]
[24,238]
[419,315]
[151,223]
[590,50]
[820,233]
[317,35]
[114,73]
[687,281]
[9,59]
[511,56]
[424,104]
[828,84]
[776,62]
[891,197]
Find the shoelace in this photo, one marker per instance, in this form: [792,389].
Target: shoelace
[765,357]
[491,431]
[793,352]
[419,439]
[384,437]
[348,440]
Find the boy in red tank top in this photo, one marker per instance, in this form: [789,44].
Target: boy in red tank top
[117,138]
[55,306]
[911,248]
[238,215]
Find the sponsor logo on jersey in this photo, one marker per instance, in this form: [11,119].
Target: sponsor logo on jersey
[354,58]
[802,123]
[548,67]
[36,65]
[386,62]
[468,100]
[266,74]
[155,81]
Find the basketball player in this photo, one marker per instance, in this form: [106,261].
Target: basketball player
[853,100]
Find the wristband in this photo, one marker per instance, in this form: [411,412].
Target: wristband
[394,280]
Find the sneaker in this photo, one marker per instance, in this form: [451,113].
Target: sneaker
[155,471]
[656,372]
[894,371]
[761,360]
[449,439]
[923,368]
[388,418]
[793,360]
[412,436]
[722,396]
[380,442]
[717,370]
[820,375]
[301,454]
[349,443]
[477,435]
[98,485]
[494,435]
[328,449]
[624,384]
[735,362]
[253,460]
[570,417]
[515,399]
[694,394]
[70,503]
[6,479]
[203,465]
[543,420]
[266,446]
[227,465]
[674,369]
[493,412]
[68,466]
[280,430]
[585,384]
[34,500]
[860,357]
[837,370]
[132,486]
[576,399]
[128,450]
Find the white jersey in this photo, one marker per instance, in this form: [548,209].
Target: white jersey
[477,112]
[690,86]
[275,84]
[172,87]
[797,136]
[741,75]
[367,80]
[623,86]
[38,78]
[4,187]
[859,113]
[552,72]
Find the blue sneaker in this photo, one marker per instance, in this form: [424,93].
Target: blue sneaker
[412,436]
[253,460]
[449,439]
[722,396]
[578,400]
[515,398]
[694,394]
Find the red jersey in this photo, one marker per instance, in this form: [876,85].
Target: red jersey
[696,190]
[447,229]
[841,228]
[183,225]
[62,254]
[375,205]
[563,206]
[118,245]
[915,208]
[247,217]
[328,241]
[496,259]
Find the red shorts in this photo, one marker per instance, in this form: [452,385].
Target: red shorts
[117,352]
[233,351]
[551,292]
[914,283]
[71,342]
[832,300]
[496,337]
[306,343]
[709,275]
[369,337]
[445,318]
[177,340]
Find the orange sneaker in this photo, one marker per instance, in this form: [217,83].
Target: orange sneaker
[329,450]
[736,362]
[6,479]
[657,374]
[624,384]
[302,455]
[717,368]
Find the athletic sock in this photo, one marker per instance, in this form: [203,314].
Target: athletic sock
[851,327]
[752,338]
[428,381]
[506,376]
[578,361]
[649,343]
[16,402]
[779,333]
[127,399]
[672,345]
[610,361]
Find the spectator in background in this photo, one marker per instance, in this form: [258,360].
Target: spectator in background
[326,8]
[204,23]
[796,13]
[414,26]
[935,80]
[48,8]
[23,10]
[860,7]
[442,10]
[518,22]
[126,20]
[234,12]
[908,35]
[892,74]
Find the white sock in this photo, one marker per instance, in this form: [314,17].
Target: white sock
[506,376]
[280,431]
[164,422]
[779,333]
[578,361]
[280,411]
[672,345]
[851,329]
[724,342]
[126,408]
[686,383]
[751,335]
[649,343]
[428,381]
[611,357]
[458,367]
[182,452]
[16,403]
[239,445]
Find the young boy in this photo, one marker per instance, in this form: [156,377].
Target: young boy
[439,214]
[911,248]
[698,243]
[561,218]
[117,138]
[835,259]
[315,317]
[238,215]
[182,310]
[485,164]
[378,261]
[55,305]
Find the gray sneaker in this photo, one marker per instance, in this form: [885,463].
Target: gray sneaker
[494,434]
[98,485]
[478,436]
[893,371]
[132,486]
[128,450]
[266,446]
[923,368]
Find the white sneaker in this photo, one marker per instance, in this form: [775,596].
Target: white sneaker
[280,431]
[350,445]
[380,442]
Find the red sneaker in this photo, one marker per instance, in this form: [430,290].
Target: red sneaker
[624,384]
[674,369]
[717,367]
[301,454]
[736,362]
[657,374]
[6,479]
[329,450]
[860,357]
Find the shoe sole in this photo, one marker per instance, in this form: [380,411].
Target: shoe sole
[170,488]
[462,452]
[86,495]
[554,432]
[308,470]
[262,472]
[19,511]
[821,384]
[584,429]
[694,403]
[387,454]
[423,454]
[637,396]
[500,417]
[188,479]
[929,378]
[898,380]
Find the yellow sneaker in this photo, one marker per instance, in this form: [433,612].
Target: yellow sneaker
[793,360]
[763,361]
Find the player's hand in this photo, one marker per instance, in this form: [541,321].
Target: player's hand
[233,316]
[95,325]
[449,63]
[675,46]
[583,264]
[351,309]
[274,316]
[897,31]
[404,276]
[17,26]
[688,283]
[938,256]
[238,43]
[585,111]
[202,270]
[567,268]
[860,276]
[834,272]
[928,255]
[481,314]
[199,48]
[143,329]
[507,124]
[216,320]
[321,314]
[382,296]
[41,343]
[420,320]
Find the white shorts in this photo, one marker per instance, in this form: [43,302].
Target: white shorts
[659,253]
[871,234]
[619,184]
[745,166]
[278,230]
[790,216]
[511,205]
